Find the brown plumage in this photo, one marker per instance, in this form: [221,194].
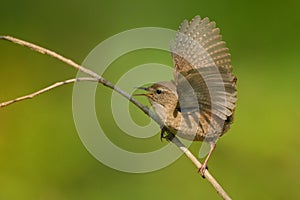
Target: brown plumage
[199,104]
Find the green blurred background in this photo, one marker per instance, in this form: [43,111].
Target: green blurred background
[41,155]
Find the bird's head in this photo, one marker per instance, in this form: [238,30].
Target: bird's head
[162,93]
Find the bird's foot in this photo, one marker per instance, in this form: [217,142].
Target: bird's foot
[202,169]
[169,136]
[165,134]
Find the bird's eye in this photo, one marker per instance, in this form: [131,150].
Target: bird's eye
[158,91]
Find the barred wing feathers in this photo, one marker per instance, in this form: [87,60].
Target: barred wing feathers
[203,75]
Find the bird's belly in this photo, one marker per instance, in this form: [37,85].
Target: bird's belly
[186,127]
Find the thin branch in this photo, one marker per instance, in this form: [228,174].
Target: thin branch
[196,162]
[57,84]
[100,79]
[76,66]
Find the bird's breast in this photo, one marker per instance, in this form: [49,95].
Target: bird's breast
[160,111]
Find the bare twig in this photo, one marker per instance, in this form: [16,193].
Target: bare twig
[100,79]
[57,84]
[196,162]
[76,66]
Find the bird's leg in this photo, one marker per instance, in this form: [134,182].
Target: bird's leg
[204,165]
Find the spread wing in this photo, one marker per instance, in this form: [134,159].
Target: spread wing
[203,75]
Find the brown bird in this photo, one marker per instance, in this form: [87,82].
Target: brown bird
[199,104]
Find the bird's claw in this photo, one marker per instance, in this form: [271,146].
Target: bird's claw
[165,134]
[202,170]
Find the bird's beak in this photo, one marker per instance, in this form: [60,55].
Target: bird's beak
[145,94]
[142,88]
